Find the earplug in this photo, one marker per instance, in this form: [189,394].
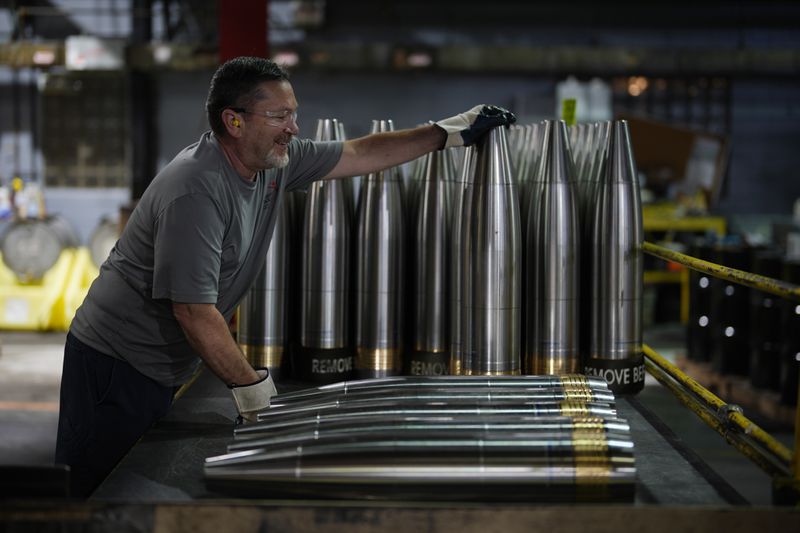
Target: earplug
[236,122]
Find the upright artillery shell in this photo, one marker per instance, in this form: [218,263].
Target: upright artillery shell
[553,261]
[430,318]
[616,333]
[326,349]
[491,249]
[379,272]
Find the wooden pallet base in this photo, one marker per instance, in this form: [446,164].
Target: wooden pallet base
[738,390]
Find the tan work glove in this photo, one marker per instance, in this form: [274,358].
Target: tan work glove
[254,397]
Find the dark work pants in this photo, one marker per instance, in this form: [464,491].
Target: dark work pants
[106,405]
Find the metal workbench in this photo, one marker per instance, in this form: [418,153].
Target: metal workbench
[159,487]
[166,465]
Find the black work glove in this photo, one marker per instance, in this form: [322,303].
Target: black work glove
[468,127]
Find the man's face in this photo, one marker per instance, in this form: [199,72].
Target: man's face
[271,125]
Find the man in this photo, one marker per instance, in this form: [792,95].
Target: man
[190,251]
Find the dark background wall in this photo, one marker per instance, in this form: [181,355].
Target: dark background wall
[763,172]
[652,39]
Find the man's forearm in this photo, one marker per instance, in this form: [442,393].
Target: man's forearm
[383,150]
[208,334]
[396,147]
[379,151]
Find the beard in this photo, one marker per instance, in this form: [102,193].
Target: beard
[273,160]
[277,161]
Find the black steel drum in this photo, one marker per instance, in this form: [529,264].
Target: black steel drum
[698,332]
[730,321]
[765,320]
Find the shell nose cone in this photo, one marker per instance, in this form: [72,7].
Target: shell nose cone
[600,159]
[465,174]
[493,159]
[380,126]
[622,168]
[559,155]
[543,140]
[327,130]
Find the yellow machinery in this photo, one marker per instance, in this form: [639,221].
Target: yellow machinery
[666,218]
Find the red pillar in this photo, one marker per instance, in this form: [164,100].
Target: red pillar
[242,28]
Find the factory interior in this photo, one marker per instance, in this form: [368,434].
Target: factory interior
[585,317]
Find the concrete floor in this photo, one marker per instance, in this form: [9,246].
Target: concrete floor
[30,379]
[30,372]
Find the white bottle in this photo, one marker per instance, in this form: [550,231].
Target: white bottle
[571,88]
[599,101]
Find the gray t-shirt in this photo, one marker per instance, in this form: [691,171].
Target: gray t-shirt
[199,234]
